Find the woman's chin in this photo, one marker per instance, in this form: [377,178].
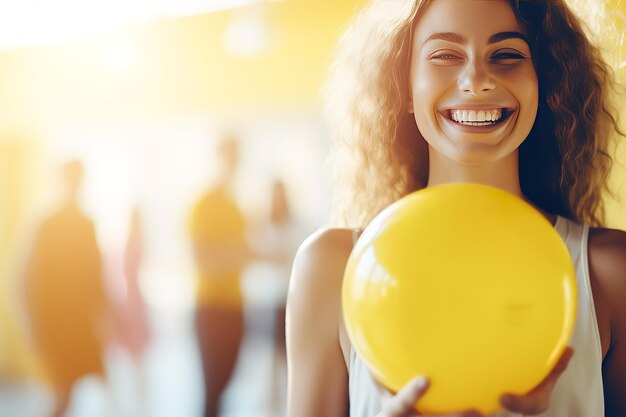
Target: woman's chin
[473,154]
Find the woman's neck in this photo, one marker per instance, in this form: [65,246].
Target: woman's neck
[503,174]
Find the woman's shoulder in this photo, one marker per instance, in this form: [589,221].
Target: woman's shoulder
[322,256]
[607,267]
[318,375]
[326,241]
[607,263]
[607,255]
[318,267]
[607,272]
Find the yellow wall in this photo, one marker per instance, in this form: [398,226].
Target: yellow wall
[616,208]
[17,163]
[182,66]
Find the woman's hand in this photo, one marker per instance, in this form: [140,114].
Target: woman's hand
[403,403]
[538,400]
[535,402]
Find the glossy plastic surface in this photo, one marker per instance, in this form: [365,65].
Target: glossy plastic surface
[466,284]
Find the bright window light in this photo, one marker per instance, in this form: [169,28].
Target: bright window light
[27,23]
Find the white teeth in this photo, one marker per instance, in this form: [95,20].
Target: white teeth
[466,116]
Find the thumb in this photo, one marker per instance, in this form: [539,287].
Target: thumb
[406,398]
[563,361]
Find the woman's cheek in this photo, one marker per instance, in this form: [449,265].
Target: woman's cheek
[432,77]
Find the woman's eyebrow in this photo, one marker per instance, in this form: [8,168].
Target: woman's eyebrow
[460,39]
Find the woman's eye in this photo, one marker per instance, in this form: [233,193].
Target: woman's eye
[507,55]
[501,56]
[444,56]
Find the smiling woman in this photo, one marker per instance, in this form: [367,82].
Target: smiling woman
[507,93]
[460,63]
[572,85]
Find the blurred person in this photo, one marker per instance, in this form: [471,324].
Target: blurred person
[137,334]
[132,325]
[218,230]
[66,300]
[275,242]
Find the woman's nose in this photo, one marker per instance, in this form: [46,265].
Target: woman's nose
[476,78]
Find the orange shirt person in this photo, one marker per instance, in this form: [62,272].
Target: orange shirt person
[67,304]
[218,229]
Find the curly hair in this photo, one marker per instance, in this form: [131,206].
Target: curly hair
[379,155]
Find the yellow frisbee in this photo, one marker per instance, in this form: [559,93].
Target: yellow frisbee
[463,283]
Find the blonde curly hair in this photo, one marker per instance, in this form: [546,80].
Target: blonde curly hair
[379,155]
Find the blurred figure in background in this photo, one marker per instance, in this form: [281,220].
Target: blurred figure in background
[66,299]
[275,244]
[137,331]
[218,230]
[133,329]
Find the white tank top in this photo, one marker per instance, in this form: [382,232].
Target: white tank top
[578,392]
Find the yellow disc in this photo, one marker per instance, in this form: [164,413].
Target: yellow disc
[463,283]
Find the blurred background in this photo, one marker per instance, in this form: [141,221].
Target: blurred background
[123,124]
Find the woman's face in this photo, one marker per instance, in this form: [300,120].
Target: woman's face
[474,87]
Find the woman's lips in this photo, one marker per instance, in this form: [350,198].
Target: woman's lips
[479,127]
[504,113]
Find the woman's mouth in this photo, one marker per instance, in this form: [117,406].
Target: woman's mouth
[482,121]
[475,117]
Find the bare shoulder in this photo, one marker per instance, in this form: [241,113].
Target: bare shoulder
[607,264]
[319,264]
[318,380]
[610,240]
[607,256]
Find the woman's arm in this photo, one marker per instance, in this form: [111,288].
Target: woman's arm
[317,375]
[607,261]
